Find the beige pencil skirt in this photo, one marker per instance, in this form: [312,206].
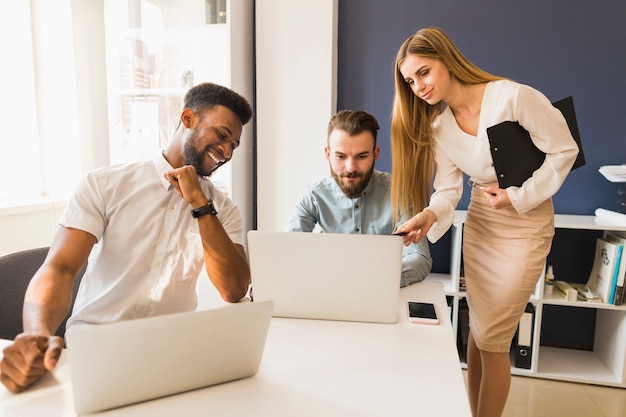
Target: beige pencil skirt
[504,253]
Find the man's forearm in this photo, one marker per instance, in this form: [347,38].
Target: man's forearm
[226,263]
[46,303]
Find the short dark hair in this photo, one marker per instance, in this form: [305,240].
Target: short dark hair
[205,96]
[354,122]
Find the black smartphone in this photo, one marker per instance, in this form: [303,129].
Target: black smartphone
[418,312]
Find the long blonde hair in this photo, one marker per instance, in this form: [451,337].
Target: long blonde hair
[412,164]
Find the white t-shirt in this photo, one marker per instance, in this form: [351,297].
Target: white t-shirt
[457,152]
[149,252]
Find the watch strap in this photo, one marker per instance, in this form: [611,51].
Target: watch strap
[209,208]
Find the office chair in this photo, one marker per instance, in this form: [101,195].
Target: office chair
[16,270]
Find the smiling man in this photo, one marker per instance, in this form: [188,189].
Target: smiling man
[147,229]
[356,198]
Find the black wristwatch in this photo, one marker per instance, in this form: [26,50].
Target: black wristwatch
[204,210]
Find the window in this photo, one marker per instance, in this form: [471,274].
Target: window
[40,151]
[156,50]
[20,156]
[62,114]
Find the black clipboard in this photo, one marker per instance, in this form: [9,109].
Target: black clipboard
[515,156]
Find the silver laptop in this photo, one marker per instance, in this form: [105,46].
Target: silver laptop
[116,364]
[326,275]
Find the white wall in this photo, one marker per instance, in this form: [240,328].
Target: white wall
[242,80]
[296,60]
[29,226]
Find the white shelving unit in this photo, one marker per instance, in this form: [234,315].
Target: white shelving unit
[605,364]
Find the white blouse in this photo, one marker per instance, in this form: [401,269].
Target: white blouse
[457,152]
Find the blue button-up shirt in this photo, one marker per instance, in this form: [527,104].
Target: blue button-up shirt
[323,204]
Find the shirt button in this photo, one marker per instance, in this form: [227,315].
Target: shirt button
[356,206]
[356,229]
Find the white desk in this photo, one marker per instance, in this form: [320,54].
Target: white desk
[309,368]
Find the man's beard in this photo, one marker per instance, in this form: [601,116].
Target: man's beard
[353,190]
[195,158]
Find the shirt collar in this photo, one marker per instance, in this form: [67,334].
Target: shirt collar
[369,185]
[161,166]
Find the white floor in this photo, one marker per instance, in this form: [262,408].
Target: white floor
[535,397]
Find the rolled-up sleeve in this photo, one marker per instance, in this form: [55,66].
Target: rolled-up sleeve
[416,263]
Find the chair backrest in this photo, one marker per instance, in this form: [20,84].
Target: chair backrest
[16,271]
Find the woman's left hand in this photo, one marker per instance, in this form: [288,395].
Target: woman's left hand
[498,198]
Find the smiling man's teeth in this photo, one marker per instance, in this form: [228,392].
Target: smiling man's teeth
[214,158]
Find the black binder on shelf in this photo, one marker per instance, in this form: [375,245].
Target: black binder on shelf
[524,338]
[515,156]
[462,329]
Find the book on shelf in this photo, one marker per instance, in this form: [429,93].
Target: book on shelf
[463,329]
[603,270]
[462,285]
[620,239]
[565,290]
[618,260]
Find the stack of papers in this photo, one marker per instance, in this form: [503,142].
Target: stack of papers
[584,293]
[614,173]
[611,217]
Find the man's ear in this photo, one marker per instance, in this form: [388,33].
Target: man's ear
[188,118]
[327,152]
[376,153]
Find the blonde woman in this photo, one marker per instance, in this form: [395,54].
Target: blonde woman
[442,107]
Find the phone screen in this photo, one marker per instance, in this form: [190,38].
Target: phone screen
[422,312]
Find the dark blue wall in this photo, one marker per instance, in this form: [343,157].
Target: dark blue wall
[561,47]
